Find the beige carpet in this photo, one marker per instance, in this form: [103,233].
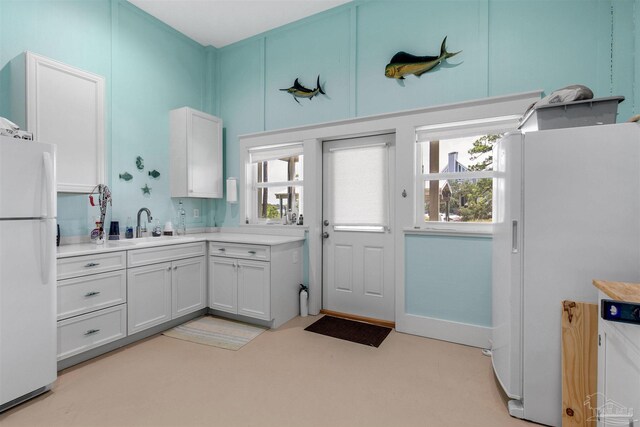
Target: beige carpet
[217,332]
[286,377]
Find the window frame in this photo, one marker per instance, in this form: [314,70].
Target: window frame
[451,130]
[252,185]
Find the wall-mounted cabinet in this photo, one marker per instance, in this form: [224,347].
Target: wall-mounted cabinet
[196,154]
[62,105]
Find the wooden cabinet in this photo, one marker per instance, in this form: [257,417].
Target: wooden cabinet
[196,154]
[64,105]
[618,398]
[256,281]
[91,302]
[167,282]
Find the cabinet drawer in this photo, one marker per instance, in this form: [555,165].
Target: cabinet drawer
[166,253]
[85,332]
[238,250]
[89,293]
[91,264]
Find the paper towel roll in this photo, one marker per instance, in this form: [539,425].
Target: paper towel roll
[232,190]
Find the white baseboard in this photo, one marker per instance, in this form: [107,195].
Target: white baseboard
[445,330]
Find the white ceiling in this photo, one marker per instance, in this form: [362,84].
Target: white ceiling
[222,22]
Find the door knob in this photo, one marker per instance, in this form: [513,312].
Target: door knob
[325,235]
[326,222]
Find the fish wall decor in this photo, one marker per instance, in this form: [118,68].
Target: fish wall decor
[126,176]
[154,174]
[404,63]
[139,163]
[146,190]
[299,91]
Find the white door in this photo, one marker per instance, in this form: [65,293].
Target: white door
[148,296]
[223,289]
[358,248]
[619,375]
[27,307]
[188,286]
[254,296]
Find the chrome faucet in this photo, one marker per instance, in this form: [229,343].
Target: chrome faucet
[149,218]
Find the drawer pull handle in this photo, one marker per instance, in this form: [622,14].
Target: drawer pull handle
[169,268]
[92,294]
[252,252]
[175,268]
[221,249]
[92,264]
[91,332]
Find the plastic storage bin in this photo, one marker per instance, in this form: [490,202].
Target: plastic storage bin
[590,112]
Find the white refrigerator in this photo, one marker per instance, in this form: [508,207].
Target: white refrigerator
[27,269]
[567,211]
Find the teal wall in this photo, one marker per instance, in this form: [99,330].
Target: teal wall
[508,46]
[449,278]
[149,69]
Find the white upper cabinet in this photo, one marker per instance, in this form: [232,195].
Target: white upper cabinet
[65,106]
[196,154]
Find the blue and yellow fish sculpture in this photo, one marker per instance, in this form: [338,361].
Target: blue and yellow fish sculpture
[404,63]
[299,91]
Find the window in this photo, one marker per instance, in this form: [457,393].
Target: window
[455,170]
[276,177]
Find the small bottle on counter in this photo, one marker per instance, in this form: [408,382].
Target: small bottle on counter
[157,230]
[128,234]
[182,220]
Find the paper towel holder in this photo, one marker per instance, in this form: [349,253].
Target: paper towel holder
[232,190]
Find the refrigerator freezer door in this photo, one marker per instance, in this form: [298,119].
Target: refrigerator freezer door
[506,346]
[581,207]
[27,307]
[27,179]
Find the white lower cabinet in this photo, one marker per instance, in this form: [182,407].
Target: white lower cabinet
[149,296]
[81,333]
[162,291]
[256,281]
[188,284]
[240,287]
[91,302]
[618,397]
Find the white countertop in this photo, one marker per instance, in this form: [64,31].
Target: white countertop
[131,244]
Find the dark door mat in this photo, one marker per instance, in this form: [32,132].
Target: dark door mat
[349,330]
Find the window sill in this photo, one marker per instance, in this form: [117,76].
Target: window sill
[286,230]
[457,229]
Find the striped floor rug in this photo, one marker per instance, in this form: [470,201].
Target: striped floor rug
[216,332]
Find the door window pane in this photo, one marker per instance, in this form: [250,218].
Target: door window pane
[359,188]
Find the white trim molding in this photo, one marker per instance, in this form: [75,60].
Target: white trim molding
[445,330]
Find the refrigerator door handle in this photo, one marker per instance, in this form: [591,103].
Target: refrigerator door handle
[514,236]
[46,259]
[47,206]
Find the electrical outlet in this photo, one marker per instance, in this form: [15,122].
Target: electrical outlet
[196,213]
[295,257]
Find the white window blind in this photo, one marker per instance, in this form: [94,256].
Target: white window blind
[359,187]
[277,152]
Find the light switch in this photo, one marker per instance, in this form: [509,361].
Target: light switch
[295,257]
[196,213]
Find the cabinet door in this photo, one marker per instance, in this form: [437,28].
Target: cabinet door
[204,154]
[65,106]
[148,296]
[619,379]
[188,286]
[223,284]
[254,290]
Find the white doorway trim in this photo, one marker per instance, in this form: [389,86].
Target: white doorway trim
[404,125]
